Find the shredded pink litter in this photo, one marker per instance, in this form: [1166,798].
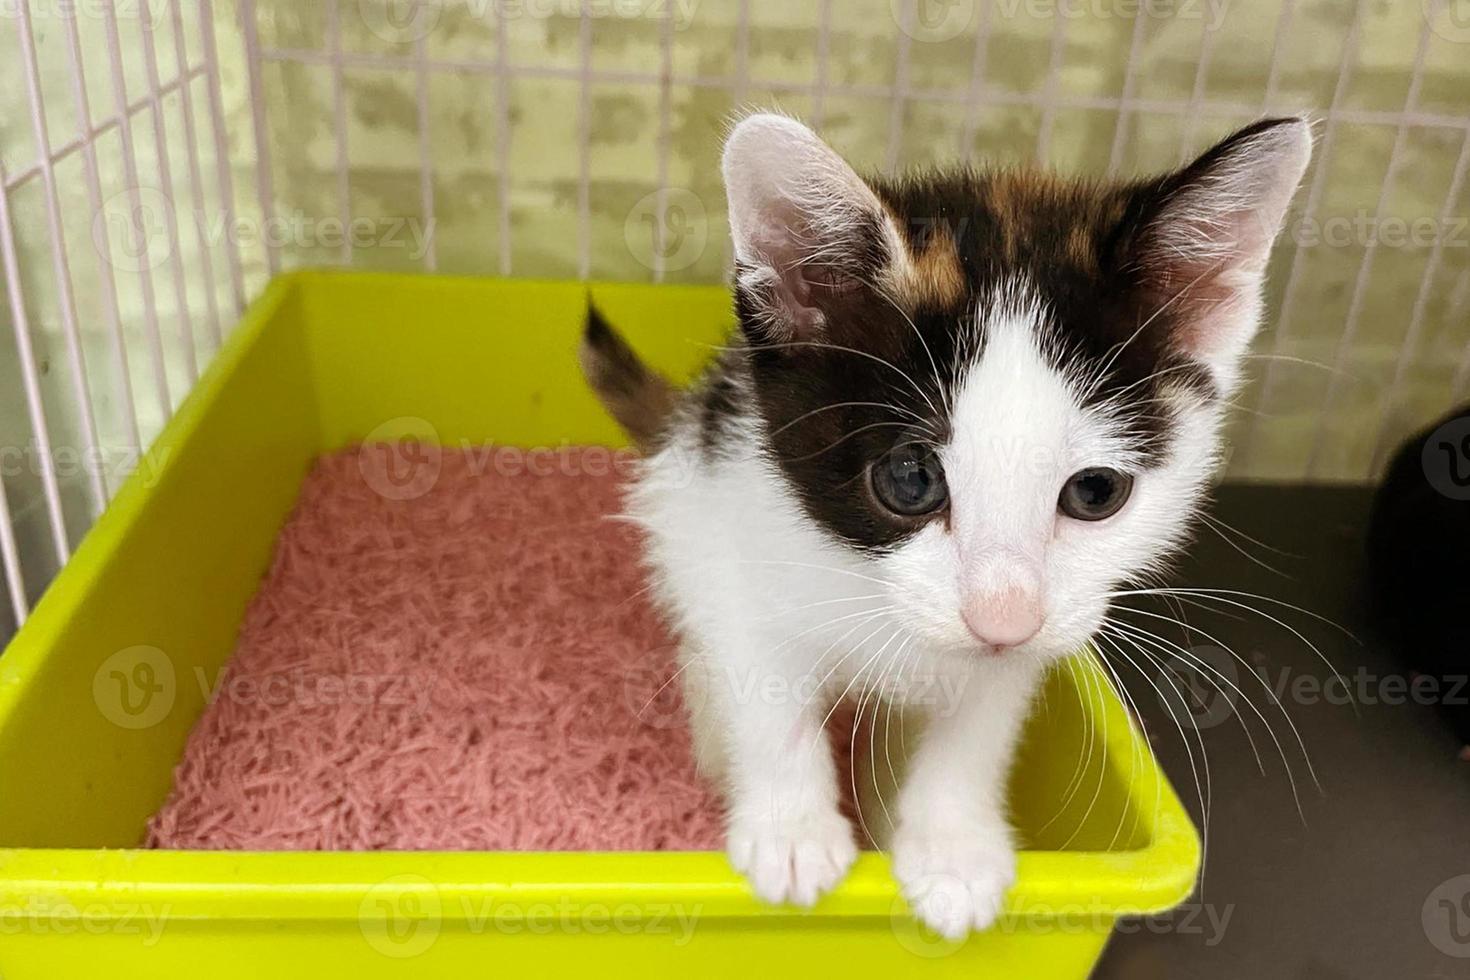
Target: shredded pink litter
[475,667]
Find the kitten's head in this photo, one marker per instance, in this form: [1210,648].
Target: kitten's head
[1004,389]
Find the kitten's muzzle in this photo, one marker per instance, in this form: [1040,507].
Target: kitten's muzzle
[1004,619]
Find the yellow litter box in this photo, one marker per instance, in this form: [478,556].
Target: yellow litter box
[157,590]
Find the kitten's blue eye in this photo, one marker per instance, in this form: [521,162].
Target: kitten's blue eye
[1095,493]
[910,480]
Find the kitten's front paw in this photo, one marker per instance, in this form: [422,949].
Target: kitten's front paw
[954,881]
[793,860]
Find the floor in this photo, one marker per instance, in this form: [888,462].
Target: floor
[1357,885]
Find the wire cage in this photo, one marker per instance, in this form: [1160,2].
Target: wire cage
[161,159]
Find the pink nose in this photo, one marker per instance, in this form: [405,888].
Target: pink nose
[1004,619]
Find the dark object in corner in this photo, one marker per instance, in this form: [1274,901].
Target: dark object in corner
[1419,561]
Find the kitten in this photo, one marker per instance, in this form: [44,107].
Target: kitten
[960,409]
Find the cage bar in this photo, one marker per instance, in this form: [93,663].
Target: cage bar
[665,127]
[426,157]
[1314,198]
[61,265]
[1125,97]
[21,324]
[196,175]
[584,143]
[1460,387]
[123,117]
[898,104]
[1278,45]
[977,93]
[102,242]
[210,43]
[171,225]
[265,185]
[1370,250]
[339,126]
[1197,92]
[15,582]
[1409,349]
[502,70]
[1049,90]
[823,66]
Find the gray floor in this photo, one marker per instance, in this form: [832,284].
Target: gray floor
[1344,890]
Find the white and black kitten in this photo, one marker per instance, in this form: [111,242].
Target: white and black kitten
[960,410]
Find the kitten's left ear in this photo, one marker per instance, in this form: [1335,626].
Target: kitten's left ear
[811,236]
[1206,235]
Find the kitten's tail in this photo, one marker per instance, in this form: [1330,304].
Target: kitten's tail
[639,398]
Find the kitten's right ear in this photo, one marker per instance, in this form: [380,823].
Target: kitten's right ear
[808,231]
